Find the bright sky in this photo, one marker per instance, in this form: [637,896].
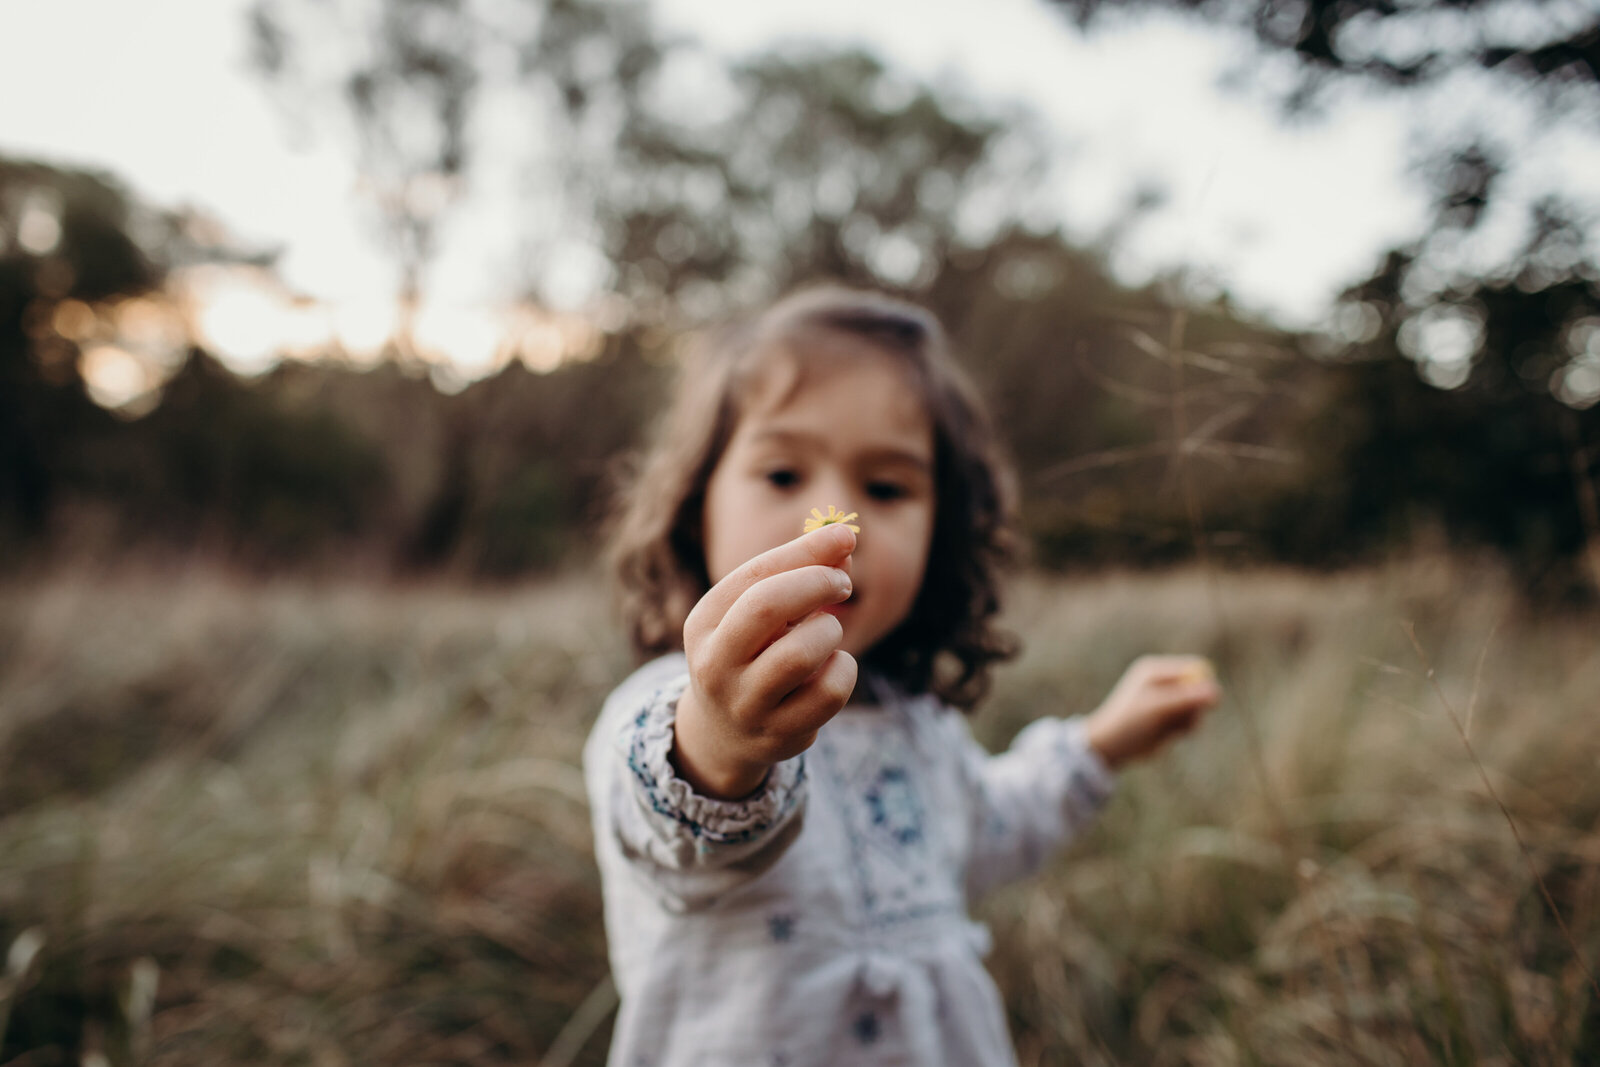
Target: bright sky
[157,93]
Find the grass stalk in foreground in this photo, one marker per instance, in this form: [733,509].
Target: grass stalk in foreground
[1488,786]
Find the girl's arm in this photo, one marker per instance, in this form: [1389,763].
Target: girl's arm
[1030,800]
[698,781]
[1034,798]
[651,828]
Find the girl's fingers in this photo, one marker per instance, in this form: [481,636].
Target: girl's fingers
[804,711]
[1187,703]
[1170,670]
[828,546]
[768,608]
[1186,681]
[792,659]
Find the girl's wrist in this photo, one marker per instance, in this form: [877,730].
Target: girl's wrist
[692,757]
[717,783]
[1103,740]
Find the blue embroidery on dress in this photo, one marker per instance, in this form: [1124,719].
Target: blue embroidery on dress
[781,927]
[866,1028]
[662,804]
[892,853]
[894,806]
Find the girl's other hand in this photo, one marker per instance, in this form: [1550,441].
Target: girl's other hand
[765,668]
[1157,699]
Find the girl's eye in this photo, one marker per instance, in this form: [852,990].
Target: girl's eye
[783,478]
[885,490]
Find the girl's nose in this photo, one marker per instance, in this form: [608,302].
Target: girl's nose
[835,489]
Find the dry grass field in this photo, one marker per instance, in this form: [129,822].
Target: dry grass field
[248,822]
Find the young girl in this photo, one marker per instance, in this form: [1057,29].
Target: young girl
[791,819]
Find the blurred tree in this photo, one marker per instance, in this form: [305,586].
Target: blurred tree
[1511,456]
[1101,405]
[1404,44]
[1494,459]
[1443,289]
[247,468]
[691,182]
[215,458]
[402,80]
[805,166]
[405,73]
[65,235]
[546,453]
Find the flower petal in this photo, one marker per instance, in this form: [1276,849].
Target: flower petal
[818,520]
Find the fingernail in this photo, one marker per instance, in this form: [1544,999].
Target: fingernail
[842,580]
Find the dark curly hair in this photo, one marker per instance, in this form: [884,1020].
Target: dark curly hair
[948,642]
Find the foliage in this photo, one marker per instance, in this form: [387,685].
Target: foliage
[79,249]
[1112,402]
[699,187]
[1143,432]
[1495,461]
[821,166]
[409,88]
[1532,304]
[218,453]
[1128,421]
[791,167]
[1407,44]
[1511,455]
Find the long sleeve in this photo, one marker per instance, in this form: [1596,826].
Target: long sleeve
[1030,800]
[688,848]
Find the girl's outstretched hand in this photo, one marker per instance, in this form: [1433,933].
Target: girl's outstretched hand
[1157,698]
[765,668]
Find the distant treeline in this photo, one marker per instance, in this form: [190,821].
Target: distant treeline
[1142,433]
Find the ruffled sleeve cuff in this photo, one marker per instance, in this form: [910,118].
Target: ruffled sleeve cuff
[646,741]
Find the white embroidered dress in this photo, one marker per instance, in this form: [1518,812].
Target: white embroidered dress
[822,921]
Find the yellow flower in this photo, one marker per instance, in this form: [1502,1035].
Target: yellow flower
[818,520]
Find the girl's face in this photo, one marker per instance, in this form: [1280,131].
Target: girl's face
[854,435]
